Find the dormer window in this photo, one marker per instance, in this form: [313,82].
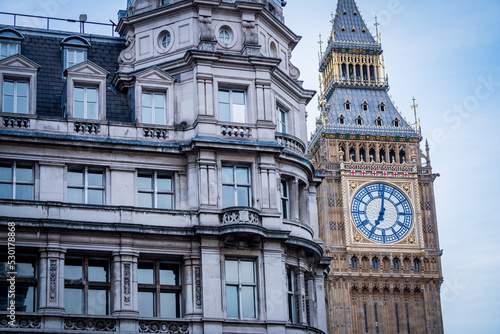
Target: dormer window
[74,50]
[396,122]
[10,42]
[341,120]
[364,106]
[359,120]
[353,29]
[378,121]
[347,105]
[343,29]
[381,107]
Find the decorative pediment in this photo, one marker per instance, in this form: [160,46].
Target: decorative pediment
[19,62]
[11,34]
[86,68]
[154,74]
[75,41]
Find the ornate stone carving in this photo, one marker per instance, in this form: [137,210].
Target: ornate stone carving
[127,56]
[52,280]
[197,287]
[249,34]
[90,324]
[30,322]
[163,327]
[240,217]
[207,35]
[126,283]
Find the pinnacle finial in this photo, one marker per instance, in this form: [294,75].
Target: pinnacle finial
[320,42]
[376,24]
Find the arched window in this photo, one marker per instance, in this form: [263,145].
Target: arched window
[374,263]
[351,71]
[362,154]
[352,154]
[392,156]
[372,154]
[416,265]
[344,71]
[382,155]
[354,262]
[365,72]
[402,156]
[395,264]
[358,72]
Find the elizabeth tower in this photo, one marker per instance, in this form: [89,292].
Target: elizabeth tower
[376,205]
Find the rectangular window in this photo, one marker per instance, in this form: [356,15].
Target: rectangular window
[15,96]
[236,186]
[86,286]
[26,282]
[85,103]
[292,296]
[376,317]
[366,318]
[8,49]
[74,57]
[241,289]
[155,190]
[285,199]
[281,119]
[17,181]
[153,108]
[397,319]
[86,185]
[232,105]
[407,319]
[159,289]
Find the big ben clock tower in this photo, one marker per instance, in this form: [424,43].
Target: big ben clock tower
[376,204]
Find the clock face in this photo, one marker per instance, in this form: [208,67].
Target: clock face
[381,213]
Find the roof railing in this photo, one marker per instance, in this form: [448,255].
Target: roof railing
[82,21]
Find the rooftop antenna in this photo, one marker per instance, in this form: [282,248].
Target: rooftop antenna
[376,24]
[417,123]
[320,42]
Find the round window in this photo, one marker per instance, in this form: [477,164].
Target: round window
[225,35]
[166,39]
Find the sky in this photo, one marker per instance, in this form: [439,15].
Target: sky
[445,54]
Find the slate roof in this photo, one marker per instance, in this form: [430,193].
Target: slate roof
[44,48]
[347,16]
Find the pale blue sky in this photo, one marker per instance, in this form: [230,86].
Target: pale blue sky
[446,54]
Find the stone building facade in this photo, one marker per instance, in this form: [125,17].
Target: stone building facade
[157,181]
[376,204]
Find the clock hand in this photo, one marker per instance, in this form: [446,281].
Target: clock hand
[382,209]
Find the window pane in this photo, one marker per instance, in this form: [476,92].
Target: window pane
[168,305]
[92,95]
[8,103]
[8,87]
[24,191]
[146,200]
[75,177]
[79,111]
[145,181]
[227,175]
[24,173]
[22,105]
[25,266]
[145,272]
[232,301]
[231,271]
[169,273]
[22,89]
[79,56]
[224,96]
[78,93]
[98,302]
[146,303]
[238,97]
[95,196]
[159,100]
[25,298]
[147,116]
[247,272]
[248,301]
[5,172]
[95,178]
[160,116]
[164,183]
[92,110]
[73,301]
[227,196]
[73,269]
[242,175]
[224,112]
[146,99]
[239,113]
[164,201]
[5,190]
[98,270]
[243,196]
[75,195]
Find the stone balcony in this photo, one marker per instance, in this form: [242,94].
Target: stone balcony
[291,143]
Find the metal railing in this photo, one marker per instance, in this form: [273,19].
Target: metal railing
[82,21]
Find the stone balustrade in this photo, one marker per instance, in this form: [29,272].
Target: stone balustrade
[240,215]
[291,143]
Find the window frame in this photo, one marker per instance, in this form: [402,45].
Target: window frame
[285,198]
[157,288]
[14,180]
[239,285]
[154,190]
[76,50]
[8,45]
[29,282]
[86,102]
[153,107]
[292,295]
[282,119]
[15,95]
[236,185]
[85,186]
[231,104]
[85,284]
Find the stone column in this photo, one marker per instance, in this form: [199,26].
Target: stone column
[51,281]
[192,287]
[124,283]
[301,290]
